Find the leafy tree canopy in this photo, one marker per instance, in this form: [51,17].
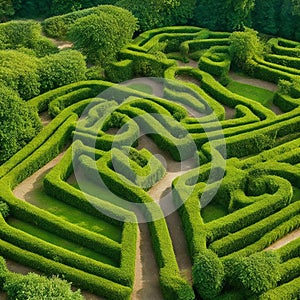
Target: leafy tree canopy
[33,286]
[18,123]
[100,36]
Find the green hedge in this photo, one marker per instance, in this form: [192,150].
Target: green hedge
[120,71]
[92,283]
[172,284]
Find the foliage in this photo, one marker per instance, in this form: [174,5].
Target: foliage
[3,272]
[100,36]
[60,69]
[19,123]
[222,15]
[257,273]
[6,9]
[33,286]
[4,209]
[159,13]
[25,34]
[208,274]
[244,46]
[19,71]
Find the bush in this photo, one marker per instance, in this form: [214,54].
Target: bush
[4,209]
[19,72]
[19,123]
[257,273]
[208,274]
[61,69]
[244,46]
[100,36]
[33,286]
[3,272]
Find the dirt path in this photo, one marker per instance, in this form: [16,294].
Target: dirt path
[30,183]
[45,118]
[162,190]
[253,81]
[285,240]
[146,284]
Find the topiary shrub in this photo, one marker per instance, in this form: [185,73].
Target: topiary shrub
[3,272]
[19,123]
[19,71]
[208,274]
[60,69]
[256,274]
[101,35]
[33,286]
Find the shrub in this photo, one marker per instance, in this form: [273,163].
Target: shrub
[4,209]
[3,272]
[244,46]
[100,36]
[61,69]
[19,71]
[19,123]
[208,274]
[33,286]
[257,273]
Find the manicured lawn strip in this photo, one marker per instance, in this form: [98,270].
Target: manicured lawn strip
[260,95]
[92,283]
[141,87]
[59,241]
[212,212]
[39,198]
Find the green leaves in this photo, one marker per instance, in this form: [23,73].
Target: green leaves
[102,34]
[33,286]
[18,123]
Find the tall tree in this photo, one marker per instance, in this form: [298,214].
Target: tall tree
[19,123]
[222,15]
[159,13]
[6,9]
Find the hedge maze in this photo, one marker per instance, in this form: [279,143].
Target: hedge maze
[243,196]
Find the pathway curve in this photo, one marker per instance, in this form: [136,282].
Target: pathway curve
[285,240]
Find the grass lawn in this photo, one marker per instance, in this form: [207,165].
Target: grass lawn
[212,212]
[141,87]
[58,241]
[258,94]
[40,199]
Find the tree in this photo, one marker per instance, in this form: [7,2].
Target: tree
[160,13]
[60,69]
[264,16]
[244,46]
[18,123]
[19,71]
[225,15]
[6,9]
[33,286]
[208,274]
[101,35]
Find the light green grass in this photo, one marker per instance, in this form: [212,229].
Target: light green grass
[40,199]
[212,212]
[258,94]
[58,241]
[141,87]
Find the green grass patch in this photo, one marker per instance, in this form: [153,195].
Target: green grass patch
[212,212]
[58,241]
[75,216]
[141,87]
[255,93]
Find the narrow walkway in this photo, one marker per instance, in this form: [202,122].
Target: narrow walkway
[146,284]
[253,81]
[285,240]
